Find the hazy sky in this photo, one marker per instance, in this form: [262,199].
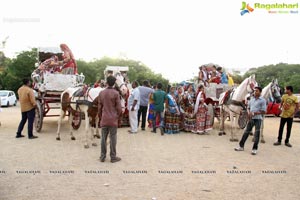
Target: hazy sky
[172,37]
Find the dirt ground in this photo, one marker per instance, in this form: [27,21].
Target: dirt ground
[183,166]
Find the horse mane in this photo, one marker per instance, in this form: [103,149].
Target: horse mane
[266,91]
[241,89]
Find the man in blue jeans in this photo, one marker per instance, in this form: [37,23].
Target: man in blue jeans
[28,105]
[159,97]
[256,108]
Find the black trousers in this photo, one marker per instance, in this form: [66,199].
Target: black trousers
[251,123]
[289,123]
[142,111]
[30,116]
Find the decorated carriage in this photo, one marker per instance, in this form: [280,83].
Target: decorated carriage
[212,93]
[213,90]
[48,86]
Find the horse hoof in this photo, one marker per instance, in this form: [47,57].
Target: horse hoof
[58,138]
[263,141]
[86,146]
[94,144]
[73,138]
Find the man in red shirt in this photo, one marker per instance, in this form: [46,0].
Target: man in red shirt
[109,111]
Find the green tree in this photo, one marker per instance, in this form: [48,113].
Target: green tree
[17,69]
[286,74]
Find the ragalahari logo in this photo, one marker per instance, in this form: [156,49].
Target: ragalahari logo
[246,8]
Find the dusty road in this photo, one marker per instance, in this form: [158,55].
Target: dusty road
[182,166]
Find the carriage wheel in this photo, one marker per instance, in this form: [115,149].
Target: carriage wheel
[76,120]
[243,119]
[38,120]
[211,113]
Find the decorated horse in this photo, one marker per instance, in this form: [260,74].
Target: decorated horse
[232,102]
[272,94]
[77,100]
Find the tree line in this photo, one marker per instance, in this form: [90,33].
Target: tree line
[12,71]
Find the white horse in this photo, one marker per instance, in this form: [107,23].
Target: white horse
[88,104]
[271,91]
[235,105]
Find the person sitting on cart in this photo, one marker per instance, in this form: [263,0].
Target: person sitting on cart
[223,75]
[50,65]
[215,76]
[202,76]
[69,65]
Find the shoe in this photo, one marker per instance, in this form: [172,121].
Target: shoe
[288,145]
[116,159]
[33,137]
[161,130]
[19,136]
[131,132]
[254,152]
[239,148]
[153,131]
[143,129]
[102,159]
[277,143]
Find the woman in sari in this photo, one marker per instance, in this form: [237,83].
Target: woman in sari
[179,99]
[151,109]
[172,114]
[202,124]
[68,62]
[187,104]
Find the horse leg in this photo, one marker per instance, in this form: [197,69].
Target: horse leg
[262,139]
[87,123]
[97,135]
[94,144]
[236,129]
[59,124]
[92,135]
[70,126]
[222,127]
[233,121]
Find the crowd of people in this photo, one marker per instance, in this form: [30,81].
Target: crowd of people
[177,109]
[174,110]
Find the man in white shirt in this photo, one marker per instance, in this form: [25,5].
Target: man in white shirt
[133,107]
